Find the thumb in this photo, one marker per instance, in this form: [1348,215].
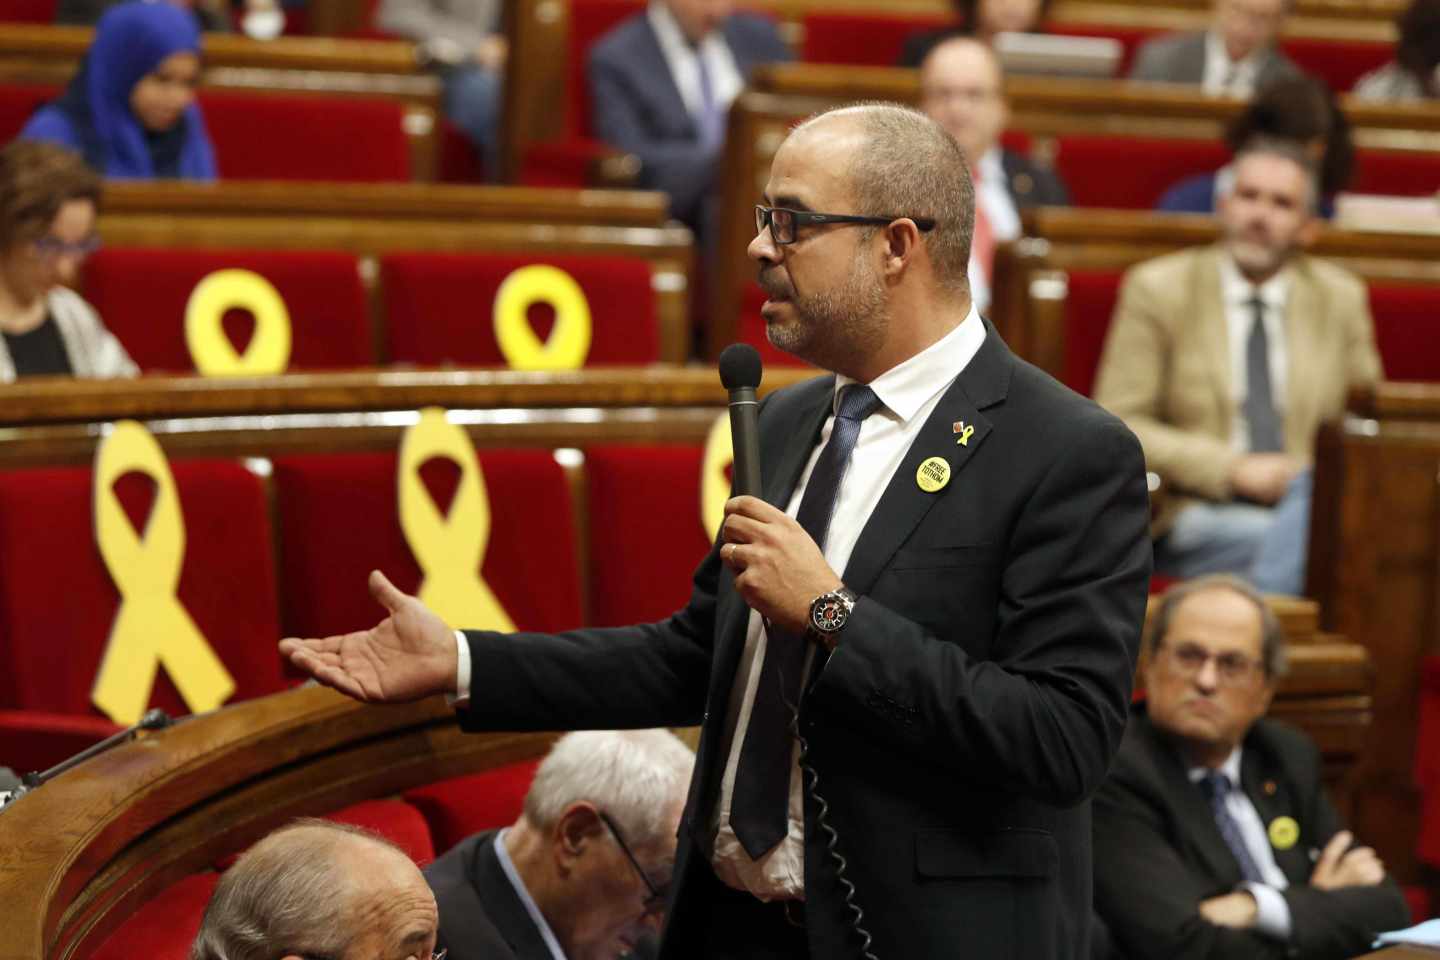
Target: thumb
[385,593]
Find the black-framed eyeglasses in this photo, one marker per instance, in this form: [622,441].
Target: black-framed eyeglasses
[784,223]
[53,247]
[656,898]
[1231,668]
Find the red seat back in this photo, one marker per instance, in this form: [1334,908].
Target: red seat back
[590,20]
[1089,305]
[440,307]
[18,102]
[1088,165]
[396,821]
[1410,173]
[1338,62]
[861,39]
[58,601]
[1407,320]
[458,807]
[338,519]
[163,928]
[646,532]
[323,294]
[28,11]
[261,136]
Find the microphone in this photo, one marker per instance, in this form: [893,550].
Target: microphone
[153,720]
[740,373]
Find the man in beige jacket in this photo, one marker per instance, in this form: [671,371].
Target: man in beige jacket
[1225,360]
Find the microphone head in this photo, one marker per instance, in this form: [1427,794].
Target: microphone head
[740,366]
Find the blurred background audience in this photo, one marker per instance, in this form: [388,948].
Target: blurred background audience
[981,19]
[1235,56]
[1293,107]
[130,110]
[1412,75]
[48,202]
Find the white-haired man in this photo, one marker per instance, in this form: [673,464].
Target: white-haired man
[583,873]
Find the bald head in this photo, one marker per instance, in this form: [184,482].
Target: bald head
[318,888]
[961,88]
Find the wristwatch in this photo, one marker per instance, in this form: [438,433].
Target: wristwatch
[829,613]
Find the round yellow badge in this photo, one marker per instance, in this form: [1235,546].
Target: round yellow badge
[933,475]
[1284,831]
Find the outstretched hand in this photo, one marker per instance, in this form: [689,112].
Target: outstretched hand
[408,655]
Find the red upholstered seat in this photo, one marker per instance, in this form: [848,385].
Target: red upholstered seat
[141,293]
[1338,62]
[28,11]
[260,136]
[396,821]
[163,928]
[565,161]
[1427,763]
[1406,173]
[440,307]
[338,520]
[862,39]
[1088,165]
[456,808]
[58,602]
[18,102]
[1089,304]
[646,532]
[1407,321]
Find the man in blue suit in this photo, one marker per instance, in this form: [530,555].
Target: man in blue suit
[661,84]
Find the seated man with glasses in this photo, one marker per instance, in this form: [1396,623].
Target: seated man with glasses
[319,890]
[583,873]
[1213,834]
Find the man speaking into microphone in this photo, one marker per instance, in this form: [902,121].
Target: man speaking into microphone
[939,595]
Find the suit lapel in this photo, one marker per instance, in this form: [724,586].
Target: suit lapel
[1302,307]
[502,903]
[1214,333]
[983,383]
[1265,794]
[1195,819]
[668,91]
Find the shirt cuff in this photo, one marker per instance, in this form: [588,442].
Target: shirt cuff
[1272,915]
[461,696]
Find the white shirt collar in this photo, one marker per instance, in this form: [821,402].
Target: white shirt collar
[1239,291]
[533,909]
[991,167]
[667,30]
[908,386]
[1230,768]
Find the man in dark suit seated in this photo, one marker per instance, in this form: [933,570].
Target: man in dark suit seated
[1236,56]
[661,84]
[583,873]
[1213,834]
[962,89]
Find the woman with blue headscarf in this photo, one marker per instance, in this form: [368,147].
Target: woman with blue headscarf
[130,111]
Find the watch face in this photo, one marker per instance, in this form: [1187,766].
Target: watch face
[830,613]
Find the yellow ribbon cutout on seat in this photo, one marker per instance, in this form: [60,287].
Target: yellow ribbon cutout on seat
[450,549]
[268,351]
[569,342]
[151,627]
[714,484]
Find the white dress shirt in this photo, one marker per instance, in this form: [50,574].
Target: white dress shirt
[909,394]
[508,867]
[681,55]
[1273,913]
[992,194]
[1240,318]
[1224,76]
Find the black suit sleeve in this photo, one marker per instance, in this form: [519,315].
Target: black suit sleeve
[649,675]
[1044,715]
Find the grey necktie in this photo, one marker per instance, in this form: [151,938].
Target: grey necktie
[1266,433]
[711,120]
[1217,787]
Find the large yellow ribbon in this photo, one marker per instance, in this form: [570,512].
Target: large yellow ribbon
[450,549]
[569,342]
[268,351]
[151,627]
[714,484]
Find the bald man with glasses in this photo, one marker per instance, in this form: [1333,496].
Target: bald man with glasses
[1213,835]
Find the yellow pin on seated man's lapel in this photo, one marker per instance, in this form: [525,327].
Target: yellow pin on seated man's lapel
[450,548]
[151,627]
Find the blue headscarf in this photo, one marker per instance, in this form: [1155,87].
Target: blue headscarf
[131,40]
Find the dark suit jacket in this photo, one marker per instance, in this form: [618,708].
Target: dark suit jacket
[481,915]
[1032,185]
[1158,853]
[1180,58]
[636,106]
[973,704]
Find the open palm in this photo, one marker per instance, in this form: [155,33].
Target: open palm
[408,655]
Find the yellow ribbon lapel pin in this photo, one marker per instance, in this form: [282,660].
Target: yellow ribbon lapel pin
[963,431]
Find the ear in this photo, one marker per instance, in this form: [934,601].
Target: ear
[575,830]
[902,243]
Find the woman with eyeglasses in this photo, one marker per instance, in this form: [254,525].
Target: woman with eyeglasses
[48,201]
[130,111]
